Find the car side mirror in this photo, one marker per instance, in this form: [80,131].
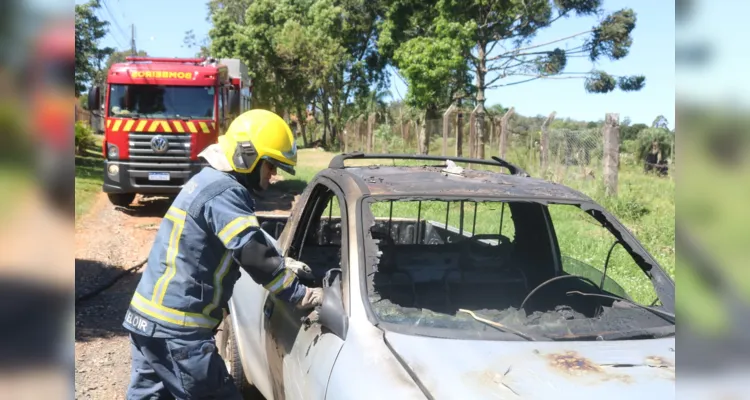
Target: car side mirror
[234,102]
[94,98]
[331,313]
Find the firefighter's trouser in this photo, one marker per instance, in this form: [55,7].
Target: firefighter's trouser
[178,369]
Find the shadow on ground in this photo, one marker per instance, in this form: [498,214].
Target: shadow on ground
[35,317]
[146,207]
[102,315]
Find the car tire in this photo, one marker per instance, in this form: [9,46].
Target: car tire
[226,342]
[121,199]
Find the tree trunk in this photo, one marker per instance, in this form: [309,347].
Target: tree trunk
[370,132]
[302,122]
[447,127]
[480,111]
[324,103]
[472,134]
[401,122]
[459,131]
[544,142]
[361,133]
[430,115]
[504,132]
[481,139]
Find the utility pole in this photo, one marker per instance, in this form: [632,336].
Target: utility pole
[132,40]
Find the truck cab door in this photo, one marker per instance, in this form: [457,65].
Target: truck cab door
[301,358]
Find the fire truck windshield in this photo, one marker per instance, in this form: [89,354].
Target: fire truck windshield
[156,101]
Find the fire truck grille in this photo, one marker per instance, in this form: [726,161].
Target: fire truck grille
[142,152]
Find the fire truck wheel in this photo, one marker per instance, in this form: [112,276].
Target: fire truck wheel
[121,199]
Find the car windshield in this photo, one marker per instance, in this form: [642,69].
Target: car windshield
[157,101]
[504,270]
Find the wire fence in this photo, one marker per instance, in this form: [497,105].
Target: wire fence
[540,147]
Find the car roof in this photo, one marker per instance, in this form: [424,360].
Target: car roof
[432,181]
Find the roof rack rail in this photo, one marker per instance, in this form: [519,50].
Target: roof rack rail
[338,161]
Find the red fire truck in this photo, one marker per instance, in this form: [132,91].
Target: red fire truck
[159,114]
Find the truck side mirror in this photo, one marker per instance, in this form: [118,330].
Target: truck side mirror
[94,98]
[234,102]
[331,313]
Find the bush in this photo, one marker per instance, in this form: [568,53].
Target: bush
[649,135]
[84,137]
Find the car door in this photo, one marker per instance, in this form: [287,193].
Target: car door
[300,357]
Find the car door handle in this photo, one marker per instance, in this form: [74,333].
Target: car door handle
[268,309]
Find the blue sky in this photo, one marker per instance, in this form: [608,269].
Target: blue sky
[160,27]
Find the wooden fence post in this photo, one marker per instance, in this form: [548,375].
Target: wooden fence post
[370,128]
[504,132]
[611,153]
[544,142]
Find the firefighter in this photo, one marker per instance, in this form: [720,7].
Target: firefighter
[206,236]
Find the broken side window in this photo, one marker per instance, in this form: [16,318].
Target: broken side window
[319,235]
[588,249]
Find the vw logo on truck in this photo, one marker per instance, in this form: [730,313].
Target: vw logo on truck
[159,144]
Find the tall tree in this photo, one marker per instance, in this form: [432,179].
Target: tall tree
[202,47]
[501,51]
[430,54]
[89,56]
[660,122]
[302,52]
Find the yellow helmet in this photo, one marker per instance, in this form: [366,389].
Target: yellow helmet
[259,135]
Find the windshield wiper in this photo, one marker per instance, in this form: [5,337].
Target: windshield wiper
[669,317]
[497,325]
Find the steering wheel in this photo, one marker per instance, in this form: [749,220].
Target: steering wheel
[558,278]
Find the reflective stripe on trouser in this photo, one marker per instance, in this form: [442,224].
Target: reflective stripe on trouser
[172,316]
[177,217]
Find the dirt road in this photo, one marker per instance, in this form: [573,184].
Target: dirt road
[107,241]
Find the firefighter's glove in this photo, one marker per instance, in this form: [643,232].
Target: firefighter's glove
[299,268]
[310,319]
[313,298]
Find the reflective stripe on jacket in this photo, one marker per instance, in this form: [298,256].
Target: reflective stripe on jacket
[192,266]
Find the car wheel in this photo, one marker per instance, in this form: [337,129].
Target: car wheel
[121,199]
[226,342]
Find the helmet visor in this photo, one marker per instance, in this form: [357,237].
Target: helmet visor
[278,164]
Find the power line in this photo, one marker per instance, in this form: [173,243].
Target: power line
[115,21]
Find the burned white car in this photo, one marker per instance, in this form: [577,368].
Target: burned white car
[450,283]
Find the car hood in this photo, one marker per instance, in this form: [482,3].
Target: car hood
[477,369]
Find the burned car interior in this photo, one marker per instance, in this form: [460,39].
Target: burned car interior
[438,275]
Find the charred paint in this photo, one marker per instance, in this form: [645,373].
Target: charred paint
[666,366]
[407,180]
[659,362]
[573,364]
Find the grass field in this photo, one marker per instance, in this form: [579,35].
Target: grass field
[89,179]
